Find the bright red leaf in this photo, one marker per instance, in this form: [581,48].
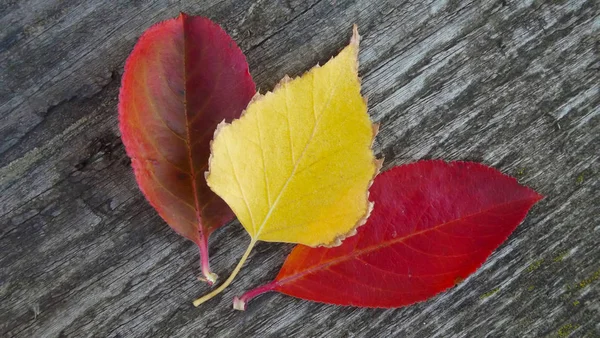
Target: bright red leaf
[184,76]
[433,224]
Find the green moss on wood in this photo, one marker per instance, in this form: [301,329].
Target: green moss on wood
[592,278]
[580,178]
[560,256]
[489,293]
[567,329]
[535,265]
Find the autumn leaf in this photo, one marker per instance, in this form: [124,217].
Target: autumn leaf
[433,224]
[183,77]
[296,167]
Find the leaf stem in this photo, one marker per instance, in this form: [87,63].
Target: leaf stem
[239,303]
[229,279]
[209,276]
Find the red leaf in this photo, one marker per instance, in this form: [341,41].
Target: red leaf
[433,224]
[184,76]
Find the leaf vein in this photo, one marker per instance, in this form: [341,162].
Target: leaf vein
[315,127]
[239,185]
[385,244]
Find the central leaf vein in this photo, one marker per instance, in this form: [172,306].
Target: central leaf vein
[308,142]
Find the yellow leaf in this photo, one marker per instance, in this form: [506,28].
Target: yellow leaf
[297,166]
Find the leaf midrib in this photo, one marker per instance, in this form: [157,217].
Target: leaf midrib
[188,133]
[356,254]
[323,110]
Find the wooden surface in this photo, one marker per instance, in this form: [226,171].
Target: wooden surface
[510,83]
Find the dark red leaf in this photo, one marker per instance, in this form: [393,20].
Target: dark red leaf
[433,224]
[184,76]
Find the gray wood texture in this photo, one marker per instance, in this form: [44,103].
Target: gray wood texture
[511,83]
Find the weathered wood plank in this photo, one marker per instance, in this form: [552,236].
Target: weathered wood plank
[513,84]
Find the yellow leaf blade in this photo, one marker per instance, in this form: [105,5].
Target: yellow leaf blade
[296,167]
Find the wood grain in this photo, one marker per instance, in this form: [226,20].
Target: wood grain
[513,84]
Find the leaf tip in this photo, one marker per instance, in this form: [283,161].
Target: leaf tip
[538,196]
[355,40]
[354,46]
